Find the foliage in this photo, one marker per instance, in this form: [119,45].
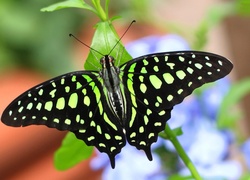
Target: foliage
[71,152]
[105,36]
[29,38]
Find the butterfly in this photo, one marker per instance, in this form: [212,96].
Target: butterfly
[130,102]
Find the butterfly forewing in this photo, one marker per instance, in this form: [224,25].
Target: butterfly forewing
[163,80]
[54,103]
[157,82]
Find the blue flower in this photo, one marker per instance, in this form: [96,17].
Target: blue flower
[228,169]
[211,98]
[246,152]
[153,44]
[209,146]
[185,115]
[130,163]
[133,163]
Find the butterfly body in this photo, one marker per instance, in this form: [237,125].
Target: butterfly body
[131,102]
[112,82]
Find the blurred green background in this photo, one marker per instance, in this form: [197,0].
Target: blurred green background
[33,39]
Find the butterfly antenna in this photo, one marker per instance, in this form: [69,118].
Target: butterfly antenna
[122,36]
[71,35]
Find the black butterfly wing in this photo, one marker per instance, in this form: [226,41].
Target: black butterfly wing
[155,83]
[76,102]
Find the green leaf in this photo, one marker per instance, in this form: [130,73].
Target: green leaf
[71,152]
[204,87]
[177,132]
[228,114]
[69,4]
[104,40]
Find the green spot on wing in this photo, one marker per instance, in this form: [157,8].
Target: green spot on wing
[150,135]
[73,100]
[155,81]
[145,62]
[60,104]
[141,129]
[67,89]
[156,69]
[99,130]
[170,97]
[39,106]
[73,79]
[118,137]
[146,120]
[48,105]
[169,79]
[52,93]
[86,100]
[107,136]
[62,81]
[133,134]
[56,120]
[29,106]
[78,85]
[144,70]
[181,58]
[143,87]
[198,65]
[180,74]
[40,92]
[190,70]
[92,123]
[67,121]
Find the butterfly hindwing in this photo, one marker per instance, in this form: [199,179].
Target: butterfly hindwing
[104,130]
[157,82]
[143,124]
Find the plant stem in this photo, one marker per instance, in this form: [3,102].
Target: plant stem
[182,153]
[101,13]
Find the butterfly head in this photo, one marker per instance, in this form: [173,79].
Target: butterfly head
[107,61]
